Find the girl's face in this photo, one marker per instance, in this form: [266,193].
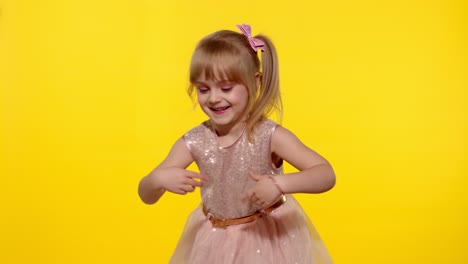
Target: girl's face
[225,102]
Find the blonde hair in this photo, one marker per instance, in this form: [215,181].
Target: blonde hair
[227,55]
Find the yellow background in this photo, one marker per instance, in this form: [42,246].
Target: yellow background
[93,96]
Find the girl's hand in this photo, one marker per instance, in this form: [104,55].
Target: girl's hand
[178,180]
[264,193]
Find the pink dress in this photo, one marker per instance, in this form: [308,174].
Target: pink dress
[284,236]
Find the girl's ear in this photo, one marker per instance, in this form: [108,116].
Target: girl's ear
[258,78]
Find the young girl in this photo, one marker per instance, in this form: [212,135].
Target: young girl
[247,214]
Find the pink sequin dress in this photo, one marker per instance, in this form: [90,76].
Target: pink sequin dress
[284,236]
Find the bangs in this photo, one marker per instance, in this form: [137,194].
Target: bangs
[213,67]
[217,66]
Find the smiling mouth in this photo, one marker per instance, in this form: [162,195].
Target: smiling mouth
[219,110]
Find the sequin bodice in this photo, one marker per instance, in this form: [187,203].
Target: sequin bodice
[227,168]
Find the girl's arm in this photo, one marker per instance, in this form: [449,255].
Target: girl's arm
[170,175]
[315,173]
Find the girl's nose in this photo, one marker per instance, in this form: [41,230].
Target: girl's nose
[214,97]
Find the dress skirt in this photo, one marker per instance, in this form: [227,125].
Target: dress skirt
[284,236]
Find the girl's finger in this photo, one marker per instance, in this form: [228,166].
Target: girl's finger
[188,188]
[179,191]
[254,176]
[254,199]
[248,195]
[193,182]
[193,174]
[203,177]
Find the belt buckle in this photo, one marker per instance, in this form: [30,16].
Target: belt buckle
[217,222]
[220,223]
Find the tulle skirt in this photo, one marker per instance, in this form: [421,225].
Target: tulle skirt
[284,236]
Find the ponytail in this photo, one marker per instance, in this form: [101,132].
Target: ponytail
[268,98]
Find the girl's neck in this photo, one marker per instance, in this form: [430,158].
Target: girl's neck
[229,130]
[229,134]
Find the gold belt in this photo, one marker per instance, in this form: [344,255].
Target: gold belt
[242,220]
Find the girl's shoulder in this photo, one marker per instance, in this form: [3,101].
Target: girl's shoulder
[267,125]
[204,126]
[263,130]
[199,131]
[268,122]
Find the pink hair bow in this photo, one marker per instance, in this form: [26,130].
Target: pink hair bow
[254,42]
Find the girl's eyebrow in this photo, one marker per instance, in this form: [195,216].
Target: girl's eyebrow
[198,83]
[225,82]
[220,82]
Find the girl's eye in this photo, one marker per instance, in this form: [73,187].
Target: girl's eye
[202,89]
[226,87]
